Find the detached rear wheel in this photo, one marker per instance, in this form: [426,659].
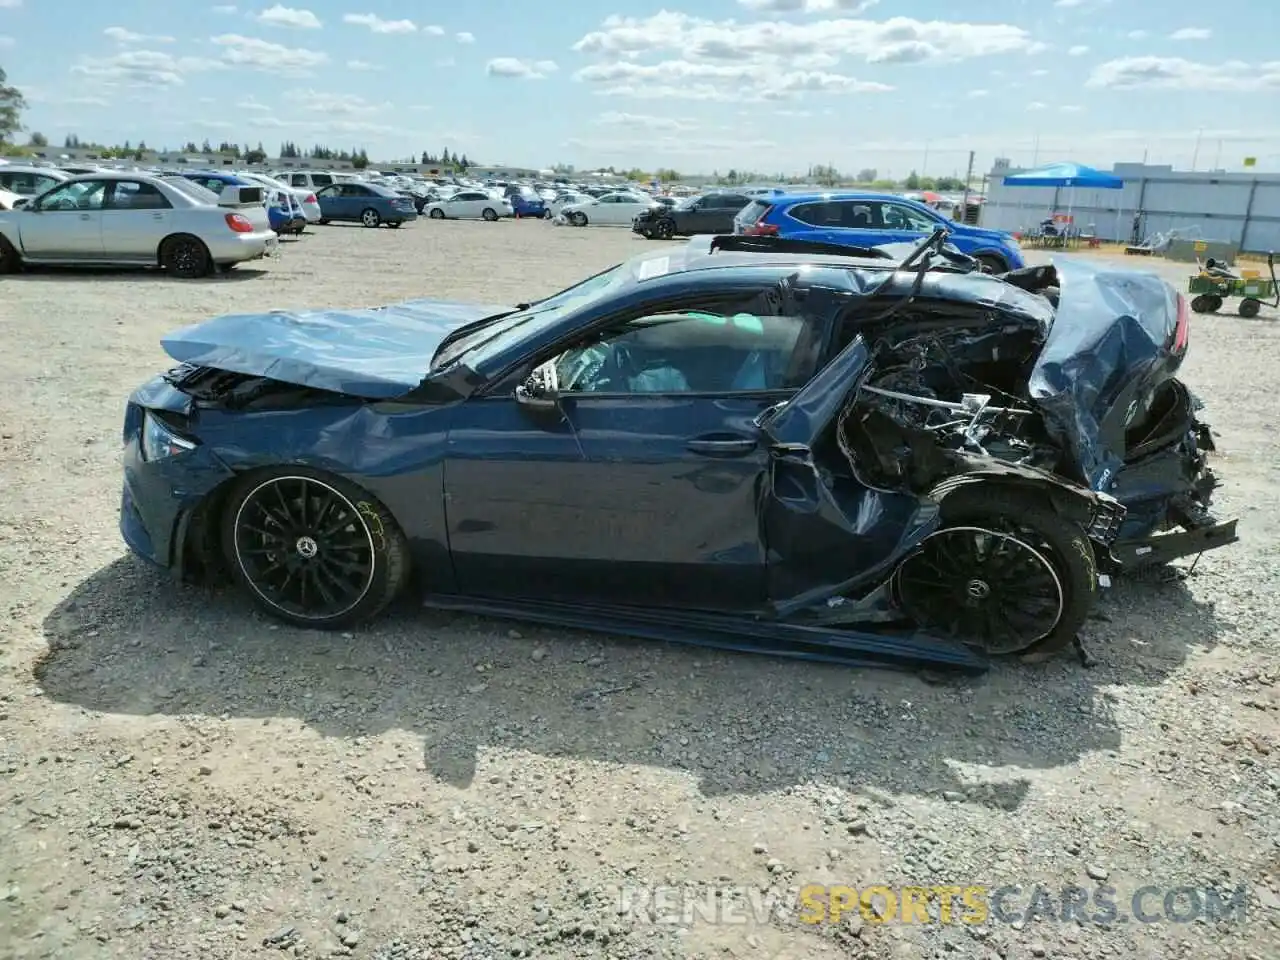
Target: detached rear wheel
[1006,574]
[313,549]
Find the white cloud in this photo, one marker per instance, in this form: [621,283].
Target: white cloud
[521,69]
[142,68]
[1137,34]
[1040,72]
[281,16]
[1068,3]
[7,42]
[250,103]
[809,6]
[363,65]
[446,62]
[333,103]
[268,57]
[1175,73]
[896,40]
[977,94]
[10,4]
[1078,51]
[1036,106]
[378,25]
[433,30]
[1191,33]
[645,121]
[121,35]
[465,37]
[672,145]
[1070,108]
[694,80]
[225,8]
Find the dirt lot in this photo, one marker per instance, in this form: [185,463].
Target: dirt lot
[181,778]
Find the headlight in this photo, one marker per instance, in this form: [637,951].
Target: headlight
[158,441]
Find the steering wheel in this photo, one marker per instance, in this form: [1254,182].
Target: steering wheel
[620,367]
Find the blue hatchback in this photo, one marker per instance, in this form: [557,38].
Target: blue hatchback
[870,220]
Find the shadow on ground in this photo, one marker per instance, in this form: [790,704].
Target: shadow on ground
[128,640]
[42,274]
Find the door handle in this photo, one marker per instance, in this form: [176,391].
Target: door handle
[157,216]
[86,216]
[723,446]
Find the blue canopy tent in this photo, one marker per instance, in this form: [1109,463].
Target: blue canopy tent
[1070,175]
[1065,175]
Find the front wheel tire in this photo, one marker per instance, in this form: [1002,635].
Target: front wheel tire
[370,218]
[992,264]
[578,219]
[313,549]
[10,259]
[1005,574]
[489,214]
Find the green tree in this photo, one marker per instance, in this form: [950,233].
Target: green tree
[868,175]
[12,103]
[360,160]
[38,139]
[912,182]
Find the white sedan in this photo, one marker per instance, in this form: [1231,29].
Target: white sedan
[470,205]
[561,200]
[613,209]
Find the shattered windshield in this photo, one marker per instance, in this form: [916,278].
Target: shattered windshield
[508,329]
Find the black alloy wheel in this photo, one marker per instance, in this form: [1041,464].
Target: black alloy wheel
[313,549]
[665,229]
[976,584]
[10,260]
[185,257]
[437,213]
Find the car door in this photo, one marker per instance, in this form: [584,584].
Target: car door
[66,223]
[467,205]
[641,485]
[356,198]
[719,216]
[330,202]
[903,223]
[135,218]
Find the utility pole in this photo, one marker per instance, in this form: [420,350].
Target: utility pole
[1035,156]
[964,204]
[1195,157]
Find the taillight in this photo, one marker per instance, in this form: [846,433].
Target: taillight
[1182,332]
[239,223]
[760,228]
[311,198]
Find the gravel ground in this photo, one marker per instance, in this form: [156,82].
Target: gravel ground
[181,778]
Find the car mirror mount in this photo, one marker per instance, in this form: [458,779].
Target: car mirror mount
[540,393]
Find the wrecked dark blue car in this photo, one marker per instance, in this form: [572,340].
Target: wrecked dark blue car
[754,444]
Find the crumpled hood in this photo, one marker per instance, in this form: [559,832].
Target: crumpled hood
[1112,333]
[379,353]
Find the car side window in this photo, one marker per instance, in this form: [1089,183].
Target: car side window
[329,191]
[820,214]
[132,195]
[858,215]
[898,217]
[321,179]
[720,350]
[80,195]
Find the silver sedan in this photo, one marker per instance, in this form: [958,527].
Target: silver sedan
[133,218]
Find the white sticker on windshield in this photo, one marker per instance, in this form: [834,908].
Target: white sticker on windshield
[653,268]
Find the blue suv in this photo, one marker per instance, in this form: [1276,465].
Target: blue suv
[869,220]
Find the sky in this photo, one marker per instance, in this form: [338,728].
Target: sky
[765,85]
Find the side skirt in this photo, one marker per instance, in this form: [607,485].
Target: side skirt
[855,648]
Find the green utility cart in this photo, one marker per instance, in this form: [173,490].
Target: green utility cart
[1214,283]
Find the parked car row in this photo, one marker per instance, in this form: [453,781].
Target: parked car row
[138,219]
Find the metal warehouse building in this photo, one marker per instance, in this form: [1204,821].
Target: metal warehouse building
[1237,208]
